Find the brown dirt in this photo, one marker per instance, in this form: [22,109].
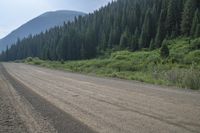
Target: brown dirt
[23,111]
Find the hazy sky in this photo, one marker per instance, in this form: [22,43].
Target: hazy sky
[14,13]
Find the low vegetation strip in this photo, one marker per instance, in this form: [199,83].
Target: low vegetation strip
[180,68]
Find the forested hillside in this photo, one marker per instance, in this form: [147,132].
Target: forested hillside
[37,25]
[123,24]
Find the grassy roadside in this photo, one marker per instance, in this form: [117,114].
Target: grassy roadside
[181,68]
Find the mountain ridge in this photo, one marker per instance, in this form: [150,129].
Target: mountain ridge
[39,24]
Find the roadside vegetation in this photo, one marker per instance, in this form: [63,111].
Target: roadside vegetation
[176,63]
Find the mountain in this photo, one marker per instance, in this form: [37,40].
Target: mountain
[38,25]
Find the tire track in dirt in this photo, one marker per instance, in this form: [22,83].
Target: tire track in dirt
[113,106]
[62,122]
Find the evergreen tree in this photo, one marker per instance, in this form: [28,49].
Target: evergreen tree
[195,22]
[124,40]
[145,36]
[111,39]
[103,42]
[179,10]
[152,45]
[164,51]
[187,17]
[197,32]
[171,17]
[134,40]
[82,52]
[7,54]
[161,29]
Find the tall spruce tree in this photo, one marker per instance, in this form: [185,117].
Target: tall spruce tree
[161,29]
[195,22]
[164,51]
[111,39]
[145,36]
[197,32]
[171,17]
[124,40]
[7,54]
[152,45]
[179,10]
[134,40]
[187,17]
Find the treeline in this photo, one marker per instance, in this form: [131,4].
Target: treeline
[122,24]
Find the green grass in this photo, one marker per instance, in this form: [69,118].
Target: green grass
[181,68]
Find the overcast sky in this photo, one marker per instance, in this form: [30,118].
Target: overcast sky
[14,13]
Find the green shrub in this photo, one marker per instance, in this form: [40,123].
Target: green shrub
[184,78]
[36,58]
[121,66]
[29,59]
[192,57]
[37,63]
[121,55]
[62,61]
[175,76]
[154,58]
[195,44]
[192,80]
[164,51]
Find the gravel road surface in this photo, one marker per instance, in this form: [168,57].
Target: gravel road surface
[57,101]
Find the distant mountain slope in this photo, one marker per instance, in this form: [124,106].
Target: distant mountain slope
[37,25]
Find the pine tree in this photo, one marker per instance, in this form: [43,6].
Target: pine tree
[161,30]
[111,39]
[124,40]
[187,17]
[154,21]
[179,10]
[7,54]
[103,42]
[82,52]
[152,45]
[137,14]
[195,22]
[134,40]
[164,51]
[145,36]
[197,32]
[171,17]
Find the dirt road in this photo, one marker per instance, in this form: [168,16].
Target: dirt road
[56,101]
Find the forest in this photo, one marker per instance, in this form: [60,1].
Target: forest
[131,25]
